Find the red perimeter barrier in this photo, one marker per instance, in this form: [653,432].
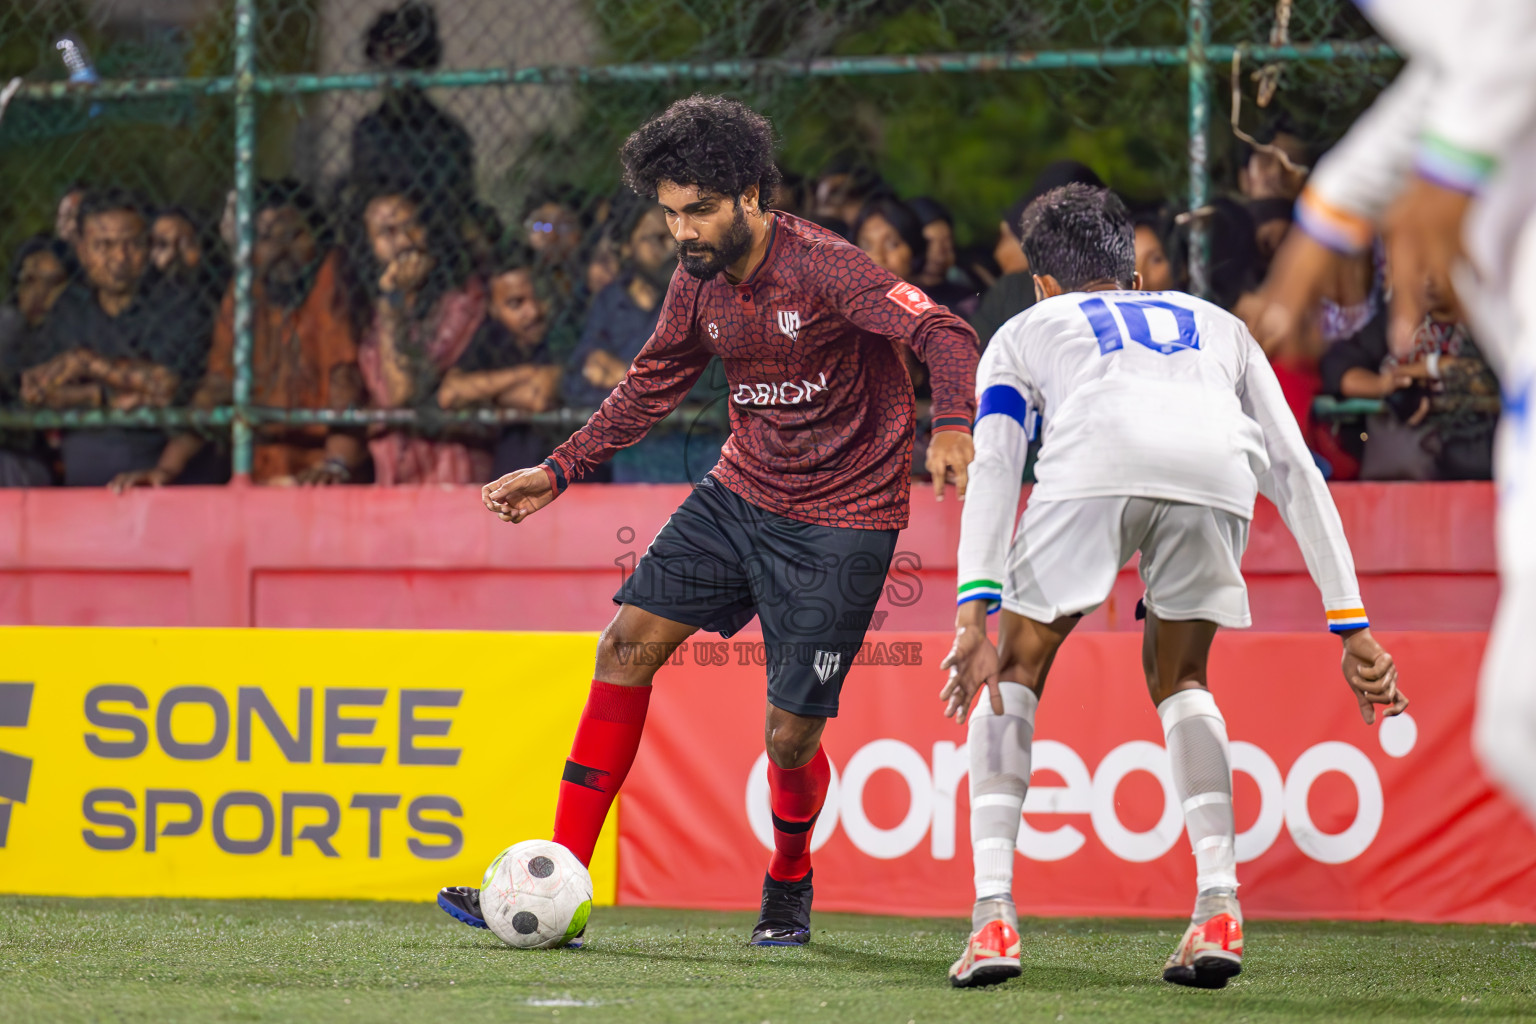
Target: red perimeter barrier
[433,558]
[1335,818]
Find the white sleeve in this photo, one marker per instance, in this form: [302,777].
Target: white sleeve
[1486,99]
[1466,97]
[1358,179]
[1005,424]
[1295,485]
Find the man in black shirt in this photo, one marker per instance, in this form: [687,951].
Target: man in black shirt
[119,340]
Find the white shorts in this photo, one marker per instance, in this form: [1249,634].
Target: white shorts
[1066,555]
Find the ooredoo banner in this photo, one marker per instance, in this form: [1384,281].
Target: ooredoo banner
[1335,818]
[276,763]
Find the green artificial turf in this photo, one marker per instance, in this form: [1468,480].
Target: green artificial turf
[208,960]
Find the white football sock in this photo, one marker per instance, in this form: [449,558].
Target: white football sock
[998,746]
[1202,778]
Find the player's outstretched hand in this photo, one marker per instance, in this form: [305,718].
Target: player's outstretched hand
[519,495]
[949,457]
[1372,674]
[971,664]
[1423,236]
[1284,324]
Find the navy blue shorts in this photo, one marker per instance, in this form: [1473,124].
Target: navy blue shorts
[720,561]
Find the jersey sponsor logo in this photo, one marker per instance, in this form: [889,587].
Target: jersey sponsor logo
[826,664]
[910,298]
[784,392]
[789,323]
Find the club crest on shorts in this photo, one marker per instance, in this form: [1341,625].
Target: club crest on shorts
[826,664]
[789,323]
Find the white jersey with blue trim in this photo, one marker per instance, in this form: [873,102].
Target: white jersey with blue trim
[1141,394]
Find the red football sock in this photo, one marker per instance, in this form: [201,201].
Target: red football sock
[606,740]
[795,796]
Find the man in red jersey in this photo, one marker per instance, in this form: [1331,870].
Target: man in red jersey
[797,522]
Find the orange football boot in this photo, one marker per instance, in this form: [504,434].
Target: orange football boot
[1212,952]
[991,956]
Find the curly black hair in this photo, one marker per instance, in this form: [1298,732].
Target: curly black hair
[714,143]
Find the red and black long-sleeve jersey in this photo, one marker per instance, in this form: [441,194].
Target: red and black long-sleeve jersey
[821,406]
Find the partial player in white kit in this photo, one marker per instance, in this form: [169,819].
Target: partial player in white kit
[1162,421]
[1444,164]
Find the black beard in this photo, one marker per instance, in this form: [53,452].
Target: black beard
[705,261]
[288,284]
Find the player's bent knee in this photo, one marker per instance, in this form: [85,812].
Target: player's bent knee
[624,661]
[791,740]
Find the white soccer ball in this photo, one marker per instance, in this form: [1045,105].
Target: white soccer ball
[536,895]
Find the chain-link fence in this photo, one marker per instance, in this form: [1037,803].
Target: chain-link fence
[297,238]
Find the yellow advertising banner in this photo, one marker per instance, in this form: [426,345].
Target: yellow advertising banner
[321,764]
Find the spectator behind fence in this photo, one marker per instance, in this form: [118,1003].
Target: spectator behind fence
[175,245]
[553,229]
[1441,400]
[940,277]
[408,134]
[1014,292]
[511,363]
[621,321]
[1233,277]
[115,342]
[303,354]
[1152,260]
[182,255]
[415,307]
[1262,174]
[1271,223]
[66,218]
[603,264]
[845,185]
[39,274]
[890,232]
[482,233]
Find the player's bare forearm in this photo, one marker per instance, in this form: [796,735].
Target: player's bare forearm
[149,379]
[1372,675]
[1290,294]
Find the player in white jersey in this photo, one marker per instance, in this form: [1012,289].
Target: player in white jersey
[1162,421]
[1444,163]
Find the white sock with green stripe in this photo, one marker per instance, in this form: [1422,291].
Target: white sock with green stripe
[999,747]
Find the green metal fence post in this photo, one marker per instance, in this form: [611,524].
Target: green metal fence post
[1199,41]
[245,199]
